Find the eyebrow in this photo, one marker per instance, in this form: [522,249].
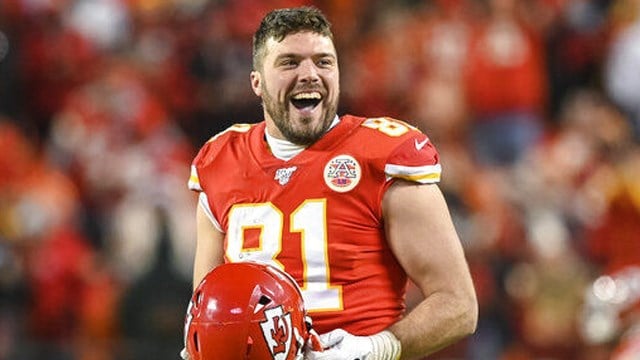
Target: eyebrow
[295,55]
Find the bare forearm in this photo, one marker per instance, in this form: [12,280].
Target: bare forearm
[438,321]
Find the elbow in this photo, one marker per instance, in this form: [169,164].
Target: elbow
[470,315]
[466,313]
[472,321]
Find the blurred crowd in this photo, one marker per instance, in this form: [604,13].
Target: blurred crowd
[534,106]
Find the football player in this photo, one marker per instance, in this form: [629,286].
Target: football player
[348,205]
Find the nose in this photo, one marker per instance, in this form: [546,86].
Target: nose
[308,72]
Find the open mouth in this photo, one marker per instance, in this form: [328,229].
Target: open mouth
[306,100]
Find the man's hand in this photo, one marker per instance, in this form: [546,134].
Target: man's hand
[184,355]
[340,345]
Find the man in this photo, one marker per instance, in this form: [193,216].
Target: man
[347,205]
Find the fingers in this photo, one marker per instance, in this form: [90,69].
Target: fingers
[322,350]
[314,343]
[330,354]
[341,345]
[332,338]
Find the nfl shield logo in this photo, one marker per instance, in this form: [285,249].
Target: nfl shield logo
[283,175]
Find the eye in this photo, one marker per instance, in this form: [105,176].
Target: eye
[287,62]
[325,62]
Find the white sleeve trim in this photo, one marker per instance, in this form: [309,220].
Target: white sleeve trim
[426,174]
[194,180]
[203,201]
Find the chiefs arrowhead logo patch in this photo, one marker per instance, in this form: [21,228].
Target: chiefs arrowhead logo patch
[278,332]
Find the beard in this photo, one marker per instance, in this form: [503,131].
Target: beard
[303,132]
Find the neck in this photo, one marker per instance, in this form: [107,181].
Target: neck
[284,149]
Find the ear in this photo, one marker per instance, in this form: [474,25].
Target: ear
[256,82]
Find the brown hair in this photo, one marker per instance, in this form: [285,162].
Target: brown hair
[279,23]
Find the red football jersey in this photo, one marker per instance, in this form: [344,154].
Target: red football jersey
[318,215]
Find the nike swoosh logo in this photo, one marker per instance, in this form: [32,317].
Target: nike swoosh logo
[420,145]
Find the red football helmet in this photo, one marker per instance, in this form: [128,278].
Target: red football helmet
[246,311]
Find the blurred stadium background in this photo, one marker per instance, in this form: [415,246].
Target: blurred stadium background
[533,104]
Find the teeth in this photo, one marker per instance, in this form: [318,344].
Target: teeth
[312,95]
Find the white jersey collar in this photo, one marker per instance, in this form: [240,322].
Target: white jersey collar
[285,149]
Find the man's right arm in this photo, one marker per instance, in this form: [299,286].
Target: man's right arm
[209,247]
[209,252]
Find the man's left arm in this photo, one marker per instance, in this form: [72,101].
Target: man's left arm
[423,238]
